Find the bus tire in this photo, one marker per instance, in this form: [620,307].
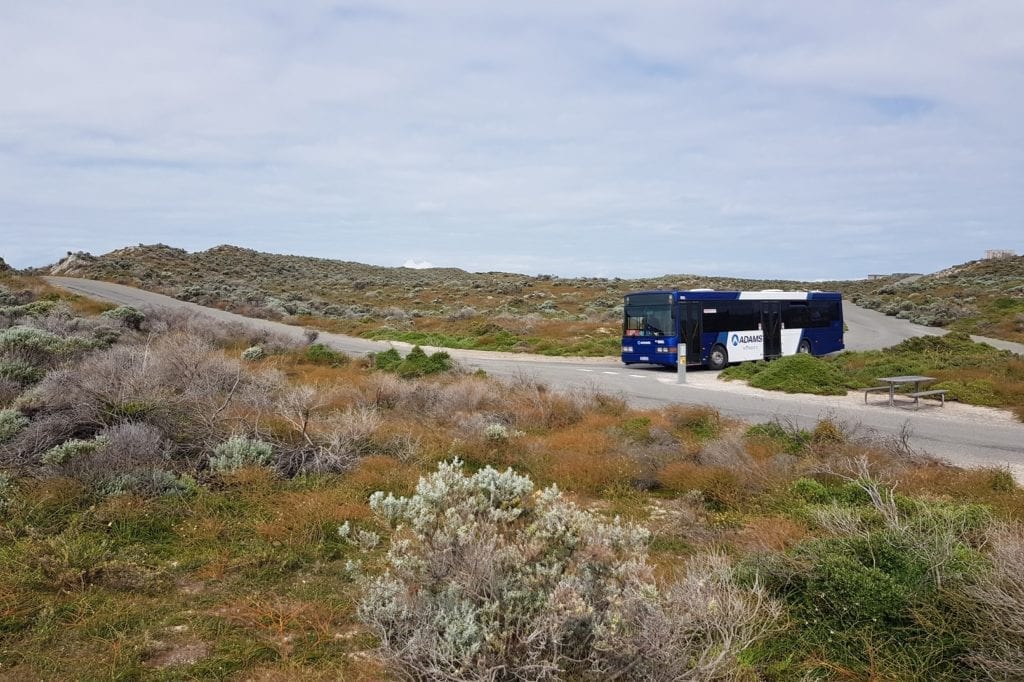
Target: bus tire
[805,347]
[718,358]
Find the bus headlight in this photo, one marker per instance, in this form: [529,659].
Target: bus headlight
[665,349]
[627,349]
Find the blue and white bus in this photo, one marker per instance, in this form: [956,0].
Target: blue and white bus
[720,327]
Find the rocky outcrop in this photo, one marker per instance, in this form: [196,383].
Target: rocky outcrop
[70,264]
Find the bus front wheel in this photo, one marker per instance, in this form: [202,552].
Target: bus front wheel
[805,347]
[718,358]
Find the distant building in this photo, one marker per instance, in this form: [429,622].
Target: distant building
[999,253]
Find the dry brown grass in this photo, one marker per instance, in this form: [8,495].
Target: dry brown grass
[761,448]
[584,457]
[279,621]
[989,486]
[121,508]
[380,472]
[589,473]
[591,436]
[308,517]
[49,499]
[763,534]
[204,529]
[720,485]
[532,407]
[349,376]
[253,481]
[408,440]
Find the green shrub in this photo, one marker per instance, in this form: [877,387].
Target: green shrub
[388,360]
[38,347]
[972,392]
[637,429]
[702,423]
[71,450]
[1002,480]
[744,371]
[811,491]
[239,451]
[106,336]
[416,364]
[253,353]
[30,342]
[319,354]
[923,355]
[11,422]
[20,372]
[791,440]
[126,315]
[974,373]
[878,597]
[34,309]
[801,373]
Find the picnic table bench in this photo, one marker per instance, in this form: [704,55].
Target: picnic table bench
[892,382]
[875,389]
[941,392]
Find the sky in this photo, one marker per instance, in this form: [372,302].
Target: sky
[798,139]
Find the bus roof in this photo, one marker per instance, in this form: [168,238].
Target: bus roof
[763,295]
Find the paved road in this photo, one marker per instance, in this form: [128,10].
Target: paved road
[964,438]
[870,330]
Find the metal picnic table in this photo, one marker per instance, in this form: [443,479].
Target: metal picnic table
[893,382]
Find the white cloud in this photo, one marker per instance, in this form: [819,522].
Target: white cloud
[780,139]
[417,264]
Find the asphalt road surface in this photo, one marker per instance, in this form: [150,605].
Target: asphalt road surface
[871,330]
[964,436]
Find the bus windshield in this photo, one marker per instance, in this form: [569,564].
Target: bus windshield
[648,315]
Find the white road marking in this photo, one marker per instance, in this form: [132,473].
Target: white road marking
[638,376]
[609,372]
[583,370]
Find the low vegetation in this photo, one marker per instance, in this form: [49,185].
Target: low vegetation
[973,373]
[509,312]
[980,297]
[443,307]
[172,510]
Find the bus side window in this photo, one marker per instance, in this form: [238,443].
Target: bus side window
[795,315]
[822,313]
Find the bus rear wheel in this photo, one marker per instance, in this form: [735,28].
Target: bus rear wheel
[805,347]
[718,358]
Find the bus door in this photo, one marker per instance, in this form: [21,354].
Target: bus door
[692,313]
[771,328]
